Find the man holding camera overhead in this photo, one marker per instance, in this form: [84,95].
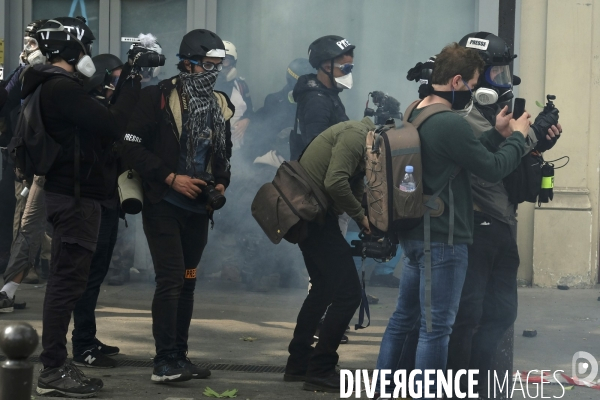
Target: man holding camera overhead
[179,141]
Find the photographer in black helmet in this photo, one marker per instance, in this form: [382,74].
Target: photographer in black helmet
[317,95]
[88,351]
[180,132]
[75,184]
[488,303]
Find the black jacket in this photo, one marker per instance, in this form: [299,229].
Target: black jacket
[318,107]
[151,144]
[265,131]
[3,96]
[67,110]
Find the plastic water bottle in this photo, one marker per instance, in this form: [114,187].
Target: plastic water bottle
[408,182]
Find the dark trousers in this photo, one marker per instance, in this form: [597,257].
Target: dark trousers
[84,317]
[488,304]
[335,284]
[176,238]
[73,245]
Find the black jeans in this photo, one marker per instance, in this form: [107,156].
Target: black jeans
[84,317]
[488,303]
[73,246]
[335,284]
[176,238]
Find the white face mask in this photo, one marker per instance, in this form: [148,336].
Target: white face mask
[85,66]
[344,82]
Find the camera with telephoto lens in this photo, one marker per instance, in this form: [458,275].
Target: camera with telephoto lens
[145,58]
[211,196]
[380,248]
[387,108]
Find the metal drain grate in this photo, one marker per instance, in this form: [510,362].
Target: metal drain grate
[125,362]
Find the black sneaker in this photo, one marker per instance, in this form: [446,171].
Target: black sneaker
[68,381]
[196,371]
[105,349]
[6,305]
[93,358]
[170,371]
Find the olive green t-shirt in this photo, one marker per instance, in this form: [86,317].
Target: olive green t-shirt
[447,141]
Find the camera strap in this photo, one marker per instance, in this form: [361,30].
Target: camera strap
[364,304]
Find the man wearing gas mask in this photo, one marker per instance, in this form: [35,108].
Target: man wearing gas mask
[75,185]
[488,304]
[489,296]
[179,141]
[449,151]
[317,95]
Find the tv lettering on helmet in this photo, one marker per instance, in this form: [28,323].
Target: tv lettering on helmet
[476,43]
[80,32]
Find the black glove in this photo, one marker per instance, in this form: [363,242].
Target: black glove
[540,126]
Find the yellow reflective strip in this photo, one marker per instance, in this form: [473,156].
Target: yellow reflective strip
[548,182]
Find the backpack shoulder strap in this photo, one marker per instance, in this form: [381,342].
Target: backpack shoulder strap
[428,112]
[409,110]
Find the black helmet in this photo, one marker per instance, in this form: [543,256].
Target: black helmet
[497,76]
[327,48]
[201,43]
[66,37]
[492,49]
[33,27]
[297,68]
[105,64]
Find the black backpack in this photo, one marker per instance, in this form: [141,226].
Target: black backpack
[525,182]
[31,149]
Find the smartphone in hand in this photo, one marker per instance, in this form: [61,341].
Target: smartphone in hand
[519,108]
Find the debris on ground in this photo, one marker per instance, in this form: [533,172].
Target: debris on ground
[228,394]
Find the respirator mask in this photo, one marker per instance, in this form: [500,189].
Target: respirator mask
[345,81]
[496,86]
[31,52]
[84,65]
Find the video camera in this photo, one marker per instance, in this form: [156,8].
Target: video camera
[387,108]
[380,248]
[141,56]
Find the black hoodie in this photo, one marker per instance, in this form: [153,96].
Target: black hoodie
[68,110]
[318,107]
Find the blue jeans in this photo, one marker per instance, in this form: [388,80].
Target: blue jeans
[448,269]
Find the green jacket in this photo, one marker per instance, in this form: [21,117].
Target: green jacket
[335,160]
[447,140]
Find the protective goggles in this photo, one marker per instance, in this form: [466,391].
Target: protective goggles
[30,44]
[345,68]
[498,76]
[207,65]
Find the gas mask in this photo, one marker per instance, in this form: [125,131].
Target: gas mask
[31,52]
[496,86]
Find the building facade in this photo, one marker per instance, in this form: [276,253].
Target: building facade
[558,53]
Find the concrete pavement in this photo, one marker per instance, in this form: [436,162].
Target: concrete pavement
[225,314]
